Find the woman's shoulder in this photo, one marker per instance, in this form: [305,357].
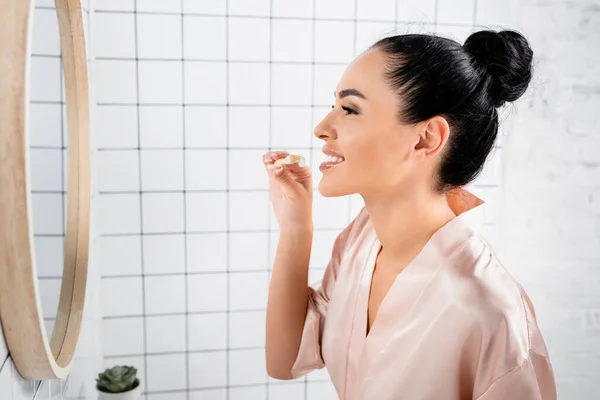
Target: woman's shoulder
[502,312]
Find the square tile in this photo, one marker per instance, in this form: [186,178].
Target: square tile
[163,212]
[248,290]
[164,254]
[161,126]
[369,33]
[292,40]
[48,213]
[326,80]
[45,125]
[162,169]
[249,91]
[118,171]
[249,7]
[121,296]
[49,257]
[206,169]
[240,219]
[456,11]
[45,38]
[288,391]
[119,213]
[249,39]
[246,170]
[384,10]
[496,13]
[165,333]
[115,127]
[336,9]
[212,7]
[44,79]
[46,169]
[207,331]
[166,372]
[207,252]
[291,84]
[161,82]
[208,394]
[123,336]
[416,10]
[243,393]
[206,212]
[165,42]
[206,126]
[248,251]
[165,294]
[204,38]
[331,41]
[331,212]
[247,329]
[114,35]
[159,6]
[207,292]
[114,5]
[292,127]
[247,367]
[208,369]
[205,82]
[242,133]
[284,8]
[115,81]
[119,255]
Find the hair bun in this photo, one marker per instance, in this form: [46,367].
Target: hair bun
[506,57]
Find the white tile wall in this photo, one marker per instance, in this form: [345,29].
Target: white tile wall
[186,242]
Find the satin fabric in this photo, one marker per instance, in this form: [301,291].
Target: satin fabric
[454,325]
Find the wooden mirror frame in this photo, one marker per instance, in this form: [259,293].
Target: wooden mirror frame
[20,310]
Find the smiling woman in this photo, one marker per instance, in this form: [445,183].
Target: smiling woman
[413,302]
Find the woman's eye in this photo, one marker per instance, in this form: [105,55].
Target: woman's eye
[349,110]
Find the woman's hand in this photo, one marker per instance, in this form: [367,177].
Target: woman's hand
[291,192]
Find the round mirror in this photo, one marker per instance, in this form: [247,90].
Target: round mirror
[44,176]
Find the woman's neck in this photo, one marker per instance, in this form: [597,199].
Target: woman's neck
[404,222]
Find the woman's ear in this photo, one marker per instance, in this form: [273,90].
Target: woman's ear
[433,135]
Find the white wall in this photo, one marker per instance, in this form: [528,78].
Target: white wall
[48,139]
[550,231]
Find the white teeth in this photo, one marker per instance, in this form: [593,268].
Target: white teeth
[333,159]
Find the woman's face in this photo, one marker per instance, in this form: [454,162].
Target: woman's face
[377,152]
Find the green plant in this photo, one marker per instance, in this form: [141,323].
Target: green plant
[118,379]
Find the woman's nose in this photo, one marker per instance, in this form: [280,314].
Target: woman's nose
[324,130]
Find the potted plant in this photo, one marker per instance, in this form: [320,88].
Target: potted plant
[118,383]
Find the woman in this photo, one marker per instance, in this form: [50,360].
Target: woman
[413,304]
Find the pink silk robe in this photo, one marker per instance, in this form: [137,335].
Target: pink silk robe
[454,325]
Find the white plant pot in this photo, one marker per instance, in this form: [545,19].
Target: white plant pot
[134,394]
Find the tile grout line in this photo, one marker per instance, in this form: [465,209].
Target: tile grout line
[270,142]
[185,239]
[141,213]
[227,206]
[312,121]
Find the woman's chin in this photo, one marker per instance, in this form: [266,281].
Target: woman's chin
[332,189]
